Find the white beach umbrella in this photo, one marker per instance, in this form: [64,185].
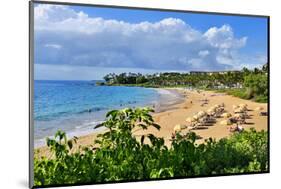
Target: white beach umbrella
[243,105]
[201,114]
[237,116]
[234,107]
[213,109]
[226,115]
[259,108]
[217,106]
[212,112]
[190,119]
[196,117]
[179,127]
[225,122]
[239,110]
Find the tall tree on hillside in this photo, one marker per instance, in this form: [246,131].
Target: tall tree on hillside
[265,68]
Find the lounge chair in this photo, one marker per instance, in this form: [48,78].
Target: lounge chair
[263,114]
[236,129]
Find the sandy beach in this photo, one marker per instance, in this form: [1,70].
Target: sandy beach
[177,114]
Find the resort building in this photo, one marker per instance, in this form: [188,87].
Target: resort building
[212,72]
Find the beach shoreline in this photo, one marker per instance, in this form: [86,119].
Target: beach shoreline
[83,123]
[176,113]
[175,96]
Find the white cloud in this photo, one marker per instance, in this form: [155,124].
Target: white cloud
[55,13]
[55,46]
[203,53]
[224,38]
[251,62]
[169,44]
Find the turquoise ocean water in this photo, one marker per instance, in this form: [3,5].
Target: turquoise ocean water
[77,106]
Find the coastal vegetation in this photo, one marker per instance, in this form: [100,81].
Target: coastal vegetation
[246,84]
[118,155]
[255,87]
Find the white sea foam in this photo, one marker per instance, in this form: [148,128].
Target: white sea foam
[79,130]
[167,99]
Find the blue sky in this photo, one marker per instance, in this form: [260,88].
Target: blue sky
[78,42]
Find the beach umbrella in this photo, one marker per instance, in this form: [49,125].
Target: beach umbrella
[212,112]
[217,106]
[239,110]
[220,109]
[190,119]
[195,117]
[243,105]
[213,109]
[237,116]
[226,115]
[201,114]
[259,108]
[179,127]
[225,122]
[190,127]
[209,111]
[244,108]
[234,107]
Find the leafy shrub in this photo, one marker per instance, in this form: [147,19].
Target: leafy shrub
[261,98]
[241,93]
[258,84]
[121,156]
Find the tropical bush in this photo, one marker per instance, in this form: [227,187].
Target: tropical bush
[258,85]
[241,93]
[118,155]
[255,88]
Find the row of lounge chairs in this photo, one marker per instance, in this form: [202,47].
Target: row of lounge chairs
[202,119]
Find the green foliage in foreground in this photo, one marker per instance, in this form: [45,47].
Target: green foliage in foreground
[121,156]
